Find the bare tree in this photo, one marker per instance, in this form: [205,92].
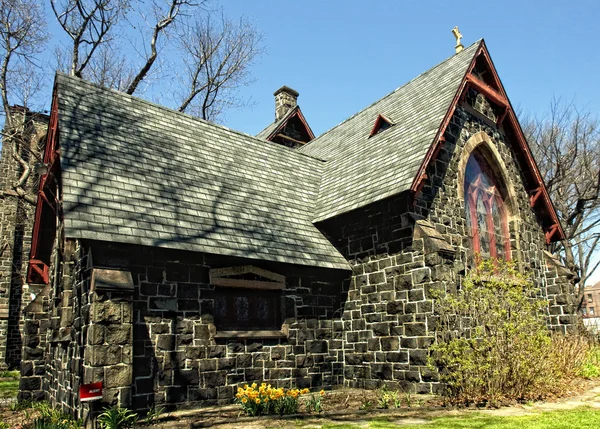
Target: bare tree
[218,56]
[109,68]
[163,19]
[215,53]
[22,35]
[566,144]
[87,23]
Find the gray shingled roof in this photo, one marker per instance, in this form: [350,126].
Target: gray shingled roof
[361,170]
[134,172]
[264,134]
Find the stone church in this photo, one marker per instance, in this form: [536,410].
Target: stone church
[173,259]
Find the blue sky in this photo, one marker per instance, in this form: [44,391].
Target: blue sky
[343,55]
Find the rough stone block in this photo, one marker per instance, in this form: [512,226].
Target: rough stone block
[317,346]
[30,383]
[415,329]
[118,376]
[417,357]
[118,334]
[390,343]
[403,282]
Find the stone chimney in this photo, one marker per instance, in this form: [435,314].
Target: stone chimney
[285,100]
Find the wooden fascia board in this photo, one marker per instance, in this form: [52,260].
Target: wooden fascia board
[532,166]
[305,123]
[51,145]
[491,66]
[380,118]
[522,142]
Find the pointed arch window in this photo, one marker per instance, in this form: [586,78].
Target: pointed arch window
[485,210]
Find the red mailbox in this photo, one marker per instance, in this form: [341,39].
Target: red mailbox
[90,392]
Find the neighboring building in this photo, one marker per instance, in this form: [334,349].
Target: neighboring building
[180,258]
[590,308]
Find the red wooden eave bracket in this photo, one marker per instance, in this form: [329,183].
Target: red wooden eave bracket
[40,268]
[502,117]
[487,90]
[550,233]
[535,196]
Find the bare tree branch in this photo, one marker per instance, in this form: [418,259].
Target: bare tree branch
[566,144]
[218,55]
[163,20]
[87,23]
[22,34]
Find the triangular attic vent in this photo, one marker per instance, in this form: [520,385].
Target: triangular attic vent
[381,124]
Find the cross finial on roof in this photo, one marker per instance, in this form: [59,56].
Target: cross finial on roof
[459,47]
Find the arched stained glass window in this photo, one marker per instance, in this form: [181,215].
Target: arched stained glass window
[485,210]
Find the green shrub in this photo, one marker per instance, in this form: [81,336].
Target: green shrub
[492,344]
[590,367]
[117,418]
[51,418]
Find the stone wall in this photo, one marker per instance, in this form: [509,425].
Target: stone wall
[157,343]
[404,250]
[16,224]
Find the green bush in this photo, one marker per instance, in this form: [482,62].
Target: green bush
[590,367]
[492,344]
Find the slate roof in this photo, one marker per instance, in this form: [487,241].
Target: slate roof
[134,172]
[361,169]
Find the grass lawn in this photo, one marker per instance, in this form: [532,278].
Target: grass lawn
[580,418]
[9,387]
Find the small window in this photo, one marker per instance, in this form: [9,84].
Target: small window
[584,311]
[591,311]
[381,124]
[589,297]
[247,298]
[239,309]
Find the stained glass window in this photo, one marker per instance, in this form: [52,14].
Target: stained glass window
[485,210]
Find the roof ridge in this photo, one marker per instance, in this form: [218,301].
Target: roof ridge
[185,115]
[391,93]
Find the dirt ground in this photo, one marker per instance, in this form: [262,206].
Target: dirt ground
[344,406]
[340,406]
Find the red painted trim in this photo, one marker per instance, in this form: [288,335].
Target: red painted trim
[305,123]
[296,112]
[534,198]
[377,124]
[502,117]
[487,90]
[509,114]
[551,232]
[50,157]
